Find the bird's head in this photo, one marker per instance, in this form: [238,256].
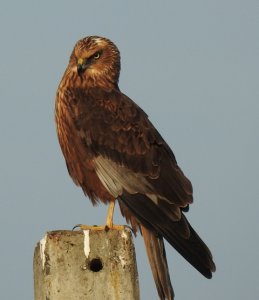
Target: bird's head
[95,61]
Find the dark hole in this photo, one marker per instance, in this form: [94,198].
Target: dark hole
[95,265]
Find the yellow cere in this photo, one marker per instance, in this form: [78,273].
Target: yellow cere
[80,61]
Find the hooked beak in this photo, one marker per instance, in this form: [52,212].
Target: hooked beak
[81,65]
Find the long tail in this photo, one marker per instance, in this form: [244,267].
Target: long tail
[179,234]
[157,258]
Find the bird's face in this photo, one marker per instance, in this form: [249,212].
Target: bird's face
[95,61]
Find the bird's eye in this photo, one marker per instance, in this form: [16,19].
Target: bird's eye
[97,55]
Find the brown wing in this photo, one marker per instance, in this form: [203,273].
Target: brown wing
[113,126]
[136,166]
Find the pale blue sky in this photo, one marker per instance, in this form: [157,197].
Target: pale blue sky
[193,66]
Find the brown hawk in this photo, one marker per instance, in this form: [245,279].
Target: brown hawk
[113,151]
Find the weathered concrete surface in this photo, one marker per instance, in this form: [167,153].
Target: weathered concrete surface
[92,265]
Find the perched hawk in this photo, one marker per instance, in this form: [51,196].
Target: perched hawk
[113,151]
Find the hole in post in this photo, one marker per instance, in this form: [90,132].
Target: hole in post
[95,265]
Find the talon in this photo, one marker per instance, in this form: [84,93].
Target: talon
[76,226]
[109,222]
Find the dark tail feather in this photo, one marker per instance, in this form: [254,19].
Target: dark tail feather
[179,234]
[193,249]
[157,259]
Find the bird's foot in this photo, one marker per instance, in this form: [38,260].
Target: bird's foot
[109,222]
[106,227]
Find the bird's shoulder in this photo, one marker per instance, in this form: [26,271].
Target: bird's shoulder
[113,125]
[111,102]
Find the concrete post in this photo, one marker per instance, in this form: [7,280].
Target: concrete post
[88,265]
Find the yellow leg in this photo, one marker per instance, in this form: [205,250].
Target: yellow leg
[109,221]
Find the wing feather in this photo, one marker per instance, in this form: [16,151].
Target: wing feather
[116,129]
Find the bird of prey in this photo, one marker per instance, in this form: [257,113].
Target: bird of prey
[113,151]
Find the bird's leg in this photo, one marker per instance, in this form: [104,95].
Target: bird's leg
[109,221]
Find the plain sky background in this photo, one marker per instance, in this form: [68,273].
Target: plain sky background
[193,66]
